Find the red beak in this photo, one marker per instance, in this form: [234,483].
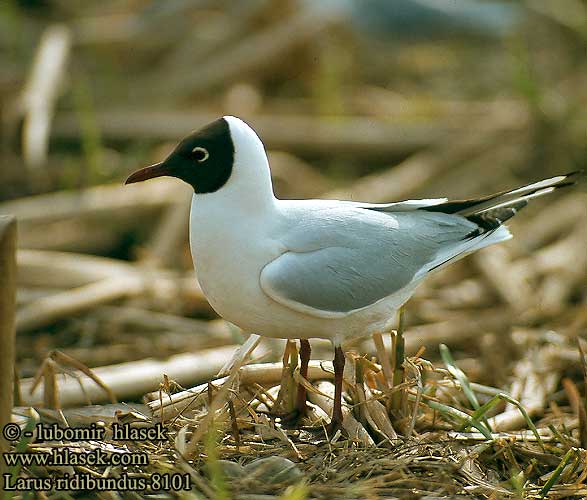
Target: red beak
[156,170]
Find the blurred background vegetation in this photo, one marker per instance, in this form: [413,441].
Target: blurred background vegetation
[131,76]
[374,100]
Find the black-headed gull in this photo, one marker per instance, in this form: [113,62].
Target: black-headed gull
[317,268]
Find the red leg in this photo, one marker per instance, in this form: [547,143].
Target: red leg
[338,363]
[305,351]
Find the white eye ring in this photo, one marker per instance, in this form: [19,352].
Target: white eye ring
[199,149]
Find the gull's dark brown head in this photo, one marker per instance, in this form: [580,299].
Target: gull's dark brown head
[204,159]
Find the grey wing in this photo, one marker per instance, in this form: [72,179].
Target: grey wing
[331,281]
[338,263]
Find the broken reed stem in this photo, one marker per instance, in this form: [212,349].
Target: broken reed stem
[128,380]
[57,361]
[43,311]
[291,385]
[220,398]
[7,308]
[262,373]
[41,92]
[17,398]
[578,407]
[287,385]
[583,402]
[398,364]
[50,395]
[62,358]
[386,364]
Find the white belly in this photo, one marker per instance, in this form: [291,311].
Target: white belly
[228,267]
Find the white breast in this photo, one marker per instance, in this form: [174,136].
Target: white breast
[229,252]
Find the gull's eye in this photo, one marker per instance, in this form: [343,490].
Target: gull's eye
[200,154]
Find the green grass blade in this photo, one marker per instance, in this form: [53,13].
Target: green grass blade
[217,479]
[463,380]
[480,413]
[21,447]
[557,472]
[296,492]
[458,415]
[533,428]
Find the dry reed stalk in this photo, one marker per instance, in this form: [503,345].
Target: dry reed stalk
[98,280]
[205,425]
[324,398]
[169,234]
[81,215]
[254,53]
[286,397]
[50,394]
[384,359]
[132,379]
[522,435]
[293,177]
[7,330]
[379,101]
[564,254]
[61,359]
[461,327]
[240,355]
[490,170]
[416,370]
[262,373]
[509,283]
[42,268]
[535,377]
[354,135]
[410,176]
[215,331]
[105,202]
[456,328]
[399,371]
[556,291]
[562,215]
[469,292]
[41,91]
[371,410]
[47,310]
[563,265]
[76,235]
[578,405]
[199,44]
[111,354]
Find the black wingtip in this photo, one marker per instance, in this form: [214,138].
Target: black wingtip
[571,179]
[574,177]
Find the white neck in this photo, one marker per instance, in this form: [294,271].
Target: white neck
[249,189]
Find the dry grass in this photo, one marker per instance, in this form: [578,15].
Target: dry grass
[444,447]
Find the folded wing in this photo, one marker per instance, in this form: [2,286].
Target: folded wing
[345,256]
[344,259]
